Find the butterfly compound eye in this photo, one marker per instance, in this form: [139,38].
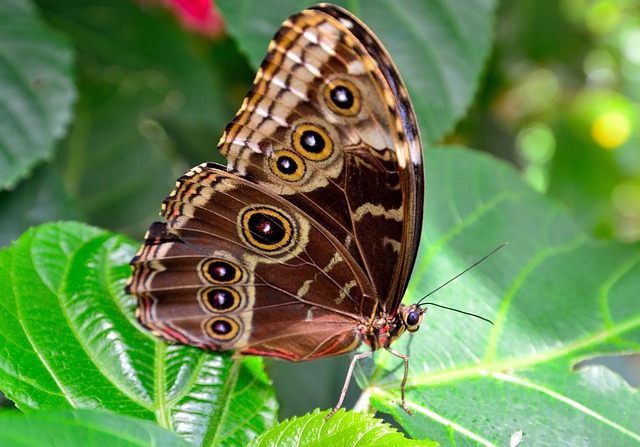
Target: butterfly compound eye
[413,318]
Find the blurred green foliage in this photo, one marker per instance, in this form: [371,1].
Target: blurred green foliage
[561,99]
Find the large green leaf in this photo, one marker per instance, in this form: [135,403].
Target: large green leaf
[556,297]
[440,46]
[37,90]
[69,342]
[82,428]
[145,93]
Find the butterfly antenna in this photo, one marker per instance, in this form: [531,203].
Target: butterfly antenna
[420,303]
[457,310]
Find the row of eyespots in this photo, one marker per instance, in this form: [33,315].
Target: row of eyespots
[219,298]
[268,229]
[311,141]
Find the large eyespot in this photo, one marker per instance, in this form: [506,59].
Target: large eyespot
[342,97]
[222,328]
[266,228]
[312,142]
[219,299]
[287,165]
[220,271]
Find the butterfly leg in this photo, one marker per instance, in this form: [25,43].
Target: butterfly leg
[348,380]
[404,378]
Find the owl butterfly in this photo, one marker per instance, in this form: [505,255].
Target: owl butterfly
[302,247]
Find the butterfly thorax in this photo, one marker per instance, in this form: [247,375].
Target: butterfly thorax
[385,329]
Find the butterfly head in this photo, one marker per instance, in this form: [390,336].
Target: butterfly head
[411,316]
[387,329]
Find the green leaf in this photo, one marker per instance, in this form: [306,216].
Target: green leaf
[37,90]
[440,46]
[153,102]
[342,429]
[69,342]
[39,199]
[81,428]
[111,140]
[556,297]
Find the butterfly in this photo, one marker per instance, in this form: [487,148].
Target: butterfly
[302,246]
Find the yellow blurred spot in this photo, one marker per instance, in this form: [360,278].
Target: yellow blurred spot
[611,129]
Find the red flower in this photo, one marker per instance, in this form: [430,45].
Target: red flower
[199,16]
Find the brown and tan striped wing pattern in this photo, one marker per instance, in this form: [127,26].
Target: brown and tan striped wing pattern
[329,126]
[237,267]
[308,238]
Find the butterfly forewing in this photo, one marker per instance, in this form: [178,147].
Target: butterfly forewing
[407,150]
[328,125]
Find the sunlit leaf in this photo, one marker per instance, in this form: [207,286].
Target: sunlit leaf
[82,428]
[556,297]
[342,429]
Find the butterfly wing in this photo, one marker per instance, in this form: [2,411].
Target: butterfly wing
[328,125]
[237,267]
[313,231]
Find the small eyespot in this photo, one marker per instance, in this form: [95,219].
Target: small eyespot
[312,142]
[222,328]
[220,299]
[342,97]
[287,165]
[266,229]
[220,271]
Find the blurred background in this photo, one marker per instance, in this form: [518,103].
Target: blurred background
[559,99]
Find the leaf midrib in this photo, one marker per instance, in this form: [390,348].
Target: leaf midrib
[484,369]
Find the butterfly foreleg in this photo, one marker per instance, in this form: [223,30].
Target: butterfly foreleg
[347,380]
[404,377]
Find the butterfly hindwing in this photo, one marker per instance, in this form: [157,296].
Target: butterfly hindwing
[232,259]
